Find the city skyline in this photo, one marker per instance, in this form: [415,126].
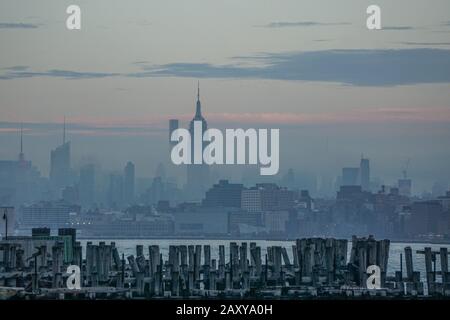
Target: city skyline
[288,66]
[186,151]
[62,174]
[307,68]
[236,173]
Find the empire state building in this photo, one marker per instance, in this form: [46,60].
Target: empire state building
[197,174]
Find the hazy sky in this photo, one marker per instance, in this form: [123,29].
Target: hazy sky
[311,68]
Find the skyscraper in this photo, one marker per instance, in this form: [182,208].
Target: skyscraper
[173,125]
[350,176]
[224,194]
[173,170]
[60,165]
[21,154]
[404,187]
[19,179]
[128,191]
[364,171]
[197,174]
[405,184]
[115,191]
[87,185]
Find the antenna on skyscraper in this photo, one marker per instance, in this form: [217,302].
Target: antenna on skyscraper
[198,110]
[21,156]
[64,130]
[21,138]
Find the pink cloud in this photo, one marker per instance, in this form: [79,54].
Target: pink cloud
[352,116]
[13,130]
[157,125]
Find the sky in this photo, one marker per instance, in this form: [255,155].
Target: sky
[334,88]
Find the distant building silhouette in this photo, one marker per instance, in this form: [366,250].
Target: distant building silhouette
[427,217]
[161,172]
[60,165]
[350,176]
[129,177]
[173,125]
[48,214]
[267,197]
[197,174]
[364,171]
[351,193]
[405,183]
[224,194]
[70,194]
[20,181]
[404,187]
[115,191]
[289,179]
[87,185]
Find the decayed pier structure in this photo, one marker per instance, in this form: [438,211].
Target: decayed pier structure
[315,268]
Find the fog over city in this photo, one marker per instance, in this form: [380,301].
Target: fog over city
[277,149]
[337,92]
[286,67]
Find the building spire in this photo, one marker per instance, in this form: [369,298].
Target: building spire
[21,155]
[21,138]
[64,130]
[198,111]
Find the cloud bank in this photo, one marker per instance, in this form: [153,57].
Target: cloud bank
[290,24]
[397,28]
[360,67]
[352,67]
[15,25]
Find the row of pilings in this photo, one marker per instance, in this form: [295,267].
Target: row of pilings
[311,267]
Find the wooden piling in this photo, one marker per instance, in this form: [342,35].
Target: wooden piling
[429,271]
[207,255]
[197,261]
[295,256]
[243,263]
[286,260]
[154,260]
[443,254]
[133,265]
[330,251]
[221,255]
[116,257]
[409,263]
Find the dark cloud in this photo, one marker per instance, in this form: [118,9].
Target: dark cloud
[79,75]
[386,67]
[142,62]
[78,128]
[410,43]
[66,74]
[287,24]
[199,70]
[354,67]
[16,68]
[397,28]
[12,25]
